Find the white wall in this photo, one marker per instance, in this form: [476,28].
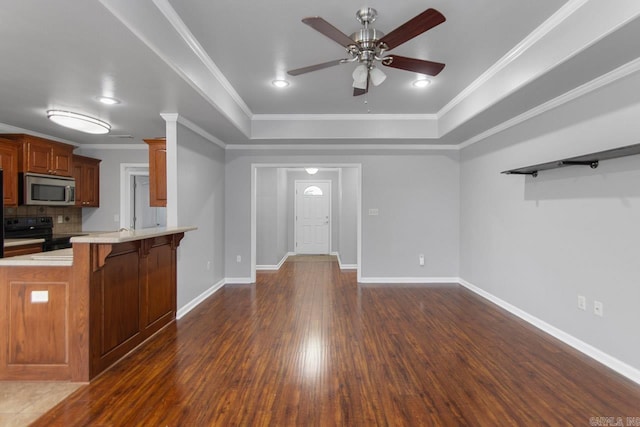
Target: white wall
[102,218]
[538,243]
[347,246]
[200,203]
[270,209]
[416,193]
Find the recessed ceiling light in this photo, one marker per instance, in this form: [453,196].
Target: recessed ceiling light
[280,83]
[422,83]
[78,122]
[108,100]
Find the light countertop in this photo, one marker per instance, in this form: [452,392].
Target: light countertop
[129,235]
[64,257]
[8,243]
[61,257]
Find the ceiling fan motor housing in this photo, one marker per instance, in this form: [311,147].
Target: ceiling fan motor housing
[366,15]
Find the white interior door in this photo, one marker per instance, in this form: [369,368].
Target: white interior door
[313,217]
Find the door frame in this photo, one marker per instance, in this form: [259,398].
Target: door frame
[295,211]
[127,172]
[254,177]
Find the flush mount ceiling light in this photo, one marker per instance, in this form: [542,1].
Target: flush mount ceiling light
[108,100]
[421,83]
[280,83]
[78,122]
[311,171]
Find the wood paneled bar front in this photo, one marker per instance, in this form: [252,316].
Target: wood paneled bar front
[70,314]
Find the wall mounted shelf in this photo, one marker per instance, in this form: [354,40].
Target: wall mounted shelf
[591,160]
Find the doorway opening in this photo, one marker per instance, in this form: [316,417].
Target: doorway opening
[272,212]
[135,210]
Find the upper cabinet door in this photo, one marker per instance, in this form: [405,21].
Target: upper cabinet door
[9,165]
[157,172]
[86,171]
[38,157]
[62,160]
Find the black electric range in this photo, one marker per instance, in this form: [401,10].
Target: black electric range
[37,227]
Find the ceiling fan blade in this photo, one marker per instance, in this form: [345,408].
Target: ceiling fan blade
[316,67]
[329,30]
[357,91]
[421,66]
[413,27]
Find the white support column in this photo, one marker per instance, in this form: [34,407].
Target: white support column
[172,168]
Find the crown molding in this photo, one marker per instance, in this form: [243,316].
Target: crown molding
[181,28]
[341,117]
[5,128]
[595,84]
[135,146]
[203,133]
[342,147]
[534,37]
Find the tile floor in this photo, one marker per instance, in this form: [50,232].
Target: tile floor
[21,403]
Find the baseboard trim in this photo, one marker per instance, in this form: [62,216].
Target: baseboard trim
[197,300]
[404,280]
[237,280]
[277,266]
[611,362]
[344,266]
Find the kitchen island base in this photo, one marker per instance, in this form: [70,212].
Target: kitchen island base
[73,322]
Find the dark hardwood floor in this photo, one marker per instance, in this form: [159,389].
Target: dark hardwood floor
[307,346]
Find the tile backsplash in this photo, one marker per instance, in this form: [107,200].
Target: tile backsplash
[71,216]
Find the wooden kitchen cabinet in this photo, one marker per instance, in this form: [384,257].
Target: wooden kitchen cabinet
[86,172]
[40,155]
[9,165]
[157,172]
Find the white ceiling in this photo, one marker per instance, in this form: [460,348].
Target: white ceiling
[212,63]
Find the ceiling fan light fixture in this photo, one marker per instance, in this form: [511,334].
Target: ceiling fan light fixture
[79,122]
[420,83]
[360,74]
[280,83]
[377,76]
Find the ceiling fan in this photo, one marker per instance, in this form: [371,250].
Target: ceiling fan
[368,45]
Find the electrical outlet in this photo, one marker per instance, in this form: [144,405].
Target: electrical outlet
[598,308]
[421,259]
[238,258]
[60,219]
[208,265]
[39,296]
[582,302]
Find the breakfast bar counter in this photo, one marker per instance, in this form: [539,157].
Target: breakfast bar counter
[70,314]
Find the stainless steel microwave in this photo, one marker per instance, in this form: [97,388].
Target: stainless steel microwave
[48,190]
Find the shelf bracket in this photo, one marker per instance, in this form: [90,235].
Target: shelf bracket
[532,173]
[592,163]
